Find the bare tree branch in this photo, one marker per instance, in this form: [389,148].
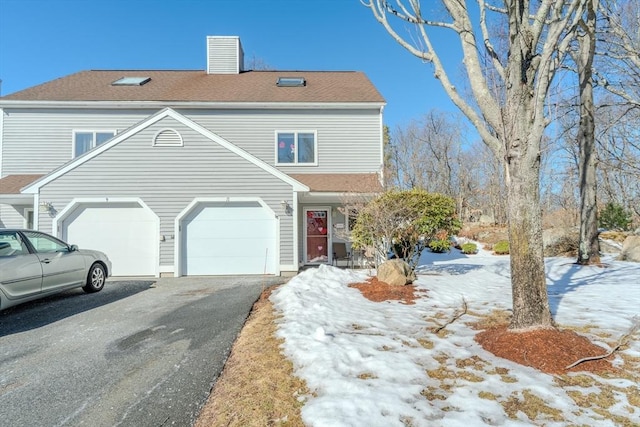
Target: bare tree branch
[456,315]
[463,28]
[622,341]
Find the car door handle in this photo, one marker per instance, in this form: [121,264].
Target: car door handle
[45,261]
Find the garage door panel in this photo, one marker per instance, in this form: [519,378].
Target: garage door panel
[223,239]
[240,250]
[230,230]
[126,232]
[229,266]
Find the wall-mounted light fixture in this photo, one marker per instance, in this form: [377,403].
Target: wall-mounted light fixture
[286,207]
[46,207]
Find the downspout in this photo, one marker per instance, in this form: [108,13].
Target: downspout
[296,229]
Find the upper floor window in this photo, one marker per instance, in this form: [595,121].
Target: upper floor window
[84,141]
[296,148]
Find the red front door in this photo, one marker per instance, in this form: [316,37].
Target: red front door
[317,236]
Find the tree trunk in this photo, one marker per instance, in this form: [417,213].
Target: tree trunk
[529,288]
[589,247]
[522,139]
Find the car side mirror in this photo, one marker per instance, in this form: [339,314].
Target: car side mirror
[73,248]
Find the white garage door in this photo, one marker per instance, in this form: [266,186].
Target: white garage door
[126,232]
[229,238]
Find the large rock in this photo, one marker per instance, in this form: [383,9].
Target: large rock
[396,272]
[610,247]
[631,249]
[561,241]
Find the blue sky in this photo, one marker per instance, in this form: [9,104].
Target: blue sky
[41,40]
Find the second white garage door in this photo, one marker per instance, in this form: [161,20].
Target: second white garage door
[126,232]
[220,238]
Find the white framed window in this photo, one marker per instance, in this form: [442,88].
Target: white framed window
[28,218]
[85,140]
[296,148]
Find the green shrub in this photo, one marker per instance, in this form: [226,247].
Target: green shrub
[403,222]
[614,217]
[469,248]
[501,247]
[440,246]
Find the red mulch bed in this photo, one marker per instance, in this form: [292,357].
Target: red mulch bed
[377,291]
[548,350]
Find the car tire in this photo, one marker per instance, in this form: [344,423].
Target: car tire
[95,279]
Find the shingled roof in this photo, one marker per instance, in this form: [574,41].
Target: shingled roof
[340,183]
[198,86]
[11,184]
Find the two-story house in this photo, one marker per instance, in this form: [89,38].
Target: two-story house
[223,171]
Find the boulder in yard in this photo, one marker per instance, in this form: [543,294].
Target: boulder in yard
[561,241]
[631,249]
[396,272]
[610,247]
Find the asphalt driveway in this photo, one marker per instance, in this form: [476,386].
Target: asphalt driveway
[139,353]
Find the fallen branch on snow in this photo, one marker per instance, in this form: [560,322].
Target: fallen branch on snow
[458,314]
[622,341]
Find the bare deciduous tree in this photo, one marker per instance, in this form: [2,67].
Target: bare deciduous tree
[426,153]
[589,246]
[618,68]
[619,156]
[510,120]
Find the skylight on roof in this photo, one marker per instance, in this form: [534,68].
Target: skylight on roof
[131,81]
[291,81]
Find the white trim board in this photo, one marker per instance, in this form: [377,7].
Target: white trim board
[193,104]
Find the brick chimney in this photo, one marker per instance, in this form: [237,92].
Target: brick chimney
[224,55]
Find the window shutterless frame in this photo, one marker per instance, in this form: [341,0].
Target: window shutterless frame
[85,140]
[296,148]
[28,218]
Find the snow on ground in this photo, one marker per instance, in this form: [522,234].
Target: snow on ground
[380,364]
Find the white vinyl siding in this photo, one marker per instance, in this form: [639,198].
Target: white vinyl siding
[40,140]
[13,216]
[168,179]
[224,55]
[348,141]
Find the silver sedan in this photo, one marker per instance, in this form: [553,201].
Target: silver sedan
[35,265]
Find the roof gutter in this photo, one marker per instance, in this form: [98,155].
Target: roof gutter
[10,103]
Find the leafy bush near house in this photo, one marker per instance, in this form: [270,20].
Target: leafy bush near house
[614,217]
[404,222]
[440,246]
[501,247]
[469,248]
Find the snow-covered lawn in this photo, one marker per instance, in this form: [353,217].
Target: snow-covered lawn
[380,364]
